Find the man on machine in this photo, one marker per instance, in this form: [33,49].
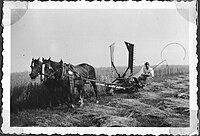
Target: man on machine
[147,72]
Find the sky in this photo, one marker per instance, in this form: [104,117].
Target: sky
[84,35]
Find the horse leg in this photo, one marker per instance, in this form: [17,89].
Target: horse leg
[71,96]
[68,92]
[57,96]
[54,98]
[50,98]
[65,90]
[64,96]
[95,91]
[80,90]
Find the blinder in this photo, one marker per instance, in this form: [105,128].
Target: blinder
[70,72]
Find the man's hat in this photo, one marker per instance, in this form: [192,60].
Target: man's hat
[147,63]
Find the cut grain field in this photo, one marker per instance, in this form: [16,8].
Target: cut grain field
[163,103]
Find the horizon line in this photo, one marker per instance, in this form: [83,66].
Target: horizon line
[110,67]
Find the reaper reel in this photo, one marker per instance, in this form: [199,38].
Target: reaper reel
[170,44]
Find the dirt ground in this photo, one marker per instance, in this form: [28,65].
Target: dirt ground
[163,103]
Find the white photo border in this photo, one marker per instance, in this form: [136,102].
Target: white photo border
[100,130]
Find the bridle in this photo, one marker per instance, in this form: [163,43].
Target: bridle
[64,73]
[44,76]
[49,76]
[39,66]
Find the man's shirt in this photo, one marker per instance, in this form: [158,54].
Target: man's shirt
[148,71]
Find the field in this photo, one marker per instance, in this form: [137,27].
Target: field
[163,103]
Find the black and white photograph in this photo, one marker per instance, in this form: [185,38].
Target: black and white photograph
[115,68]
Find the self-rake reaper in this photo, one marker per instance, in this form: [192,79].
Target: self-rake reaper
[133,81]
[123,82]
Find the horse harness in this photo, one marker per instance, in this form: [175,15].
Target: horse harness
[66,71]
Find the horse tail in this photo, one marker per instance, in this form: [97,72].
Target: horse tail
[92,74]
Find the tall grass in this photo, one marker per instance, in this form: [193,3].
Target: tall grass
[26,94]
[28,97]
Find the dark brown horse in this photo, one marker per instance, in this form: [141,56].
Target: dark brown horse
[74,74]
[37,69]
[53,78]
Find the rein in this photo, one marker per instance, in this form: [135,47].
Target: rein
[45,75]
[51,74]
[64,73]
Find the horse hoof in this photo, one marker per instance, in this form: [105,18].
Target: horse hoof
[49,108]
[81,105]
[72,106]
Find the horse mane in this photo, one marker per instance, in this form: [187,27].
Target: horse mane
[55,64]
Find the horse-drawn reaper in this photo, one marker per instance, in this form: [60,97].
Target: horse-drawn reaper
[58,74]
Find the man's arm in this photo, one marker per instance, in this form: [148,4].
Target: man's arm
[152,73]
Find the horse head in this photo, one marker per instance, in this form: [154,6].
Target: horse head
[52,70]
[36,68]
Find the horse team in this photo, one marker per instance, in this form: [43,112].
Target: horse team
[65,76]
